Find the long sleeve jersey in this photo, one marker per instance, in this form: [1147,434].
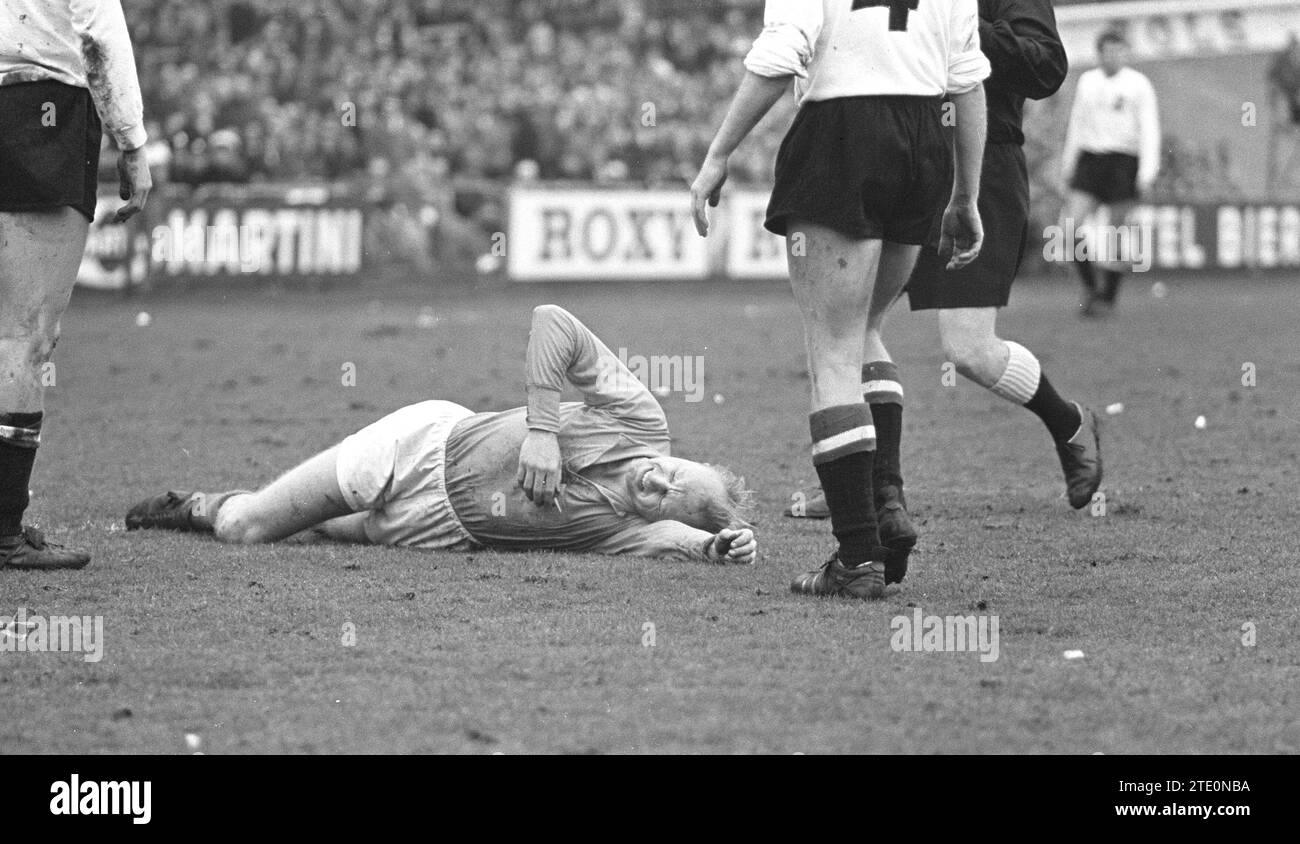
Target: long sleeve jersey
[617,420]
[1022,44]
[83,43]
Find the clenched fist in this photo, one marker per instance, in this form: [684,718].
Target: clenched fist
[734,547]
[539,467]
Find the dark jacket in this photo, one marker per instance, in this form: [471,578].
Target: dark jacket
[1019,38]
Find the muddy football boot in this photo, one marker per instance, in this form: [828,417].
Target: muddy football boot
[30,550]
[866,581]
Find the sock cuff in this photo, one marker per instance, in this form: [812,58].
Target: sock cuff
[1019,380]
[22,430]
[880,383]
[841,430]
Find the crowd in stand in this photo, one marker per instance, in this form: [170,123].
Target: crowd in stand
[604,90]
[406,94]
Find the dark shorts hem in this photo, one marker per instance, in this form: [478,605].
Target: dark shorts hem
[14,208]
[958,295]
[778,223]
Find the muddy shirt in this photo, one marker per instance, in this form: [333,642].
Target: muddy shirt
[83,43]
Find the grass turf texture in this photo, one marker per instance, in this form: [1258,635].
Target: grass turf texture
[544,652]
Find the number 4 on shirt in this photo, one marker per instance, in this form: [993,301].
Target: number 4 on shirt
[898,10]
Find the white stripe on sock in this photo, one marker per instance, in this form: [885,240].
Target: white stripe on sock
[882,387]
[864,432]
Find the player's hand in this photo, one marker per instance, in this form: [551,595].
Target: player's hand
[961,234]
[134,183]
[735,547]
[539,467]
[707,188]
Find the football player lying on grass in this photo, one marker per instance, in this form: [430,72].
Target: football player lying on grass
[593,476]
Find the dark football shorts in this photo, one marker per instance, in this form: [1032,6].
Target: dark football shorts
[1004,214]
[866,167]
[49,147]
[1107,176]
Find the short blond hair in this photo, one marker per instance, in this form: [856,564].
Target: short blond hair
[739,510]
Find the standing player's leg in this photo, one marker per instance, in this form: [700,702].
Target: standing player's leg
[882,389]
[832,283]
[880,385]
[1009,370]
[39,255]
[303,497]
[1112,271]
[1079,208]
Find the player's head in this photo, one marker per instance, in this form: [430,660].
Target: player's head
[703,496]
[1112,51]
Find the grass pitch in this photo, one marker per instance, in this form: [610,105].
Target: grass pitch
[244,647]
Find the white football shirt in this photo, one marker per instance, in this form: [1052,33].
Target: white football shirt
[1115,114]
[881,47]
[57,39]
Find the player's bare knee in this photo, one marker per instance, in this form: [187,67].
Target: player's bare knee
[969,346]
[24,350]
[239,527]
[959,349]
[41,348]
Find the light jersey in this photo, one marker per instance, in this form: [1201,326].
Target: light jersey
[924,48]
[58,39]
[1115,114]
[618,420]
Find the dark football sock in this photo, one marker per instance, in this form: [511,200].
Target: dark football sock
[1060,416]
[20,434]
[842,453]
[883,391]
[1110,290]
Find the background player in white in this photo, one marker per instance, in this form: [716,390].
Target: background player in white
[595,475]
[1111,158]
[859,177]
[66,72]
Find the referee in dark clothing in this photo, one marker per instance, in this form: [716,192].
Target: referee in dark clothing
[1020,39]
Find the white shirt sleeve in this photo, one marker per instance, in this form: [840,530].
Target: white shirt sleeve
[967,64]
[100,26]
[785,46]
[1149,135]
